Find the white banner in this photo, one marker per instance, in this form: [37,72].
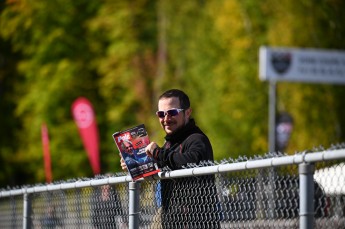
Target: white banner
[303,65]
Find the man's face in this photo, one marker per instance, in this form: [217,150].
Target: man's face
[128,148]
[171,124]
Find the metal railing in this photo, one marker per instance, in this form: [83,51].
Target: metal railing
[278,191]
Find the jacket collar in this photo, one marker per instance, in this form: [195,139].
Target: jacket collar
[184,132]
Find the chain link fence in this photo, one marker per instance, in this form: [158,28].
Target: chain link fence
[277,191]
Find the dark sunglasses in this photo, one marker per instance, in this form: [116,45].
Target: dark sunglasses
[171,112]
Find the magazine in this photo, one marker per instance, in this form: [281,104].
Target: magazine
[131,143]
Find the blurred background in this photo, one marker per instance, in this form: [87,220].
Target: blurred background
[121,55]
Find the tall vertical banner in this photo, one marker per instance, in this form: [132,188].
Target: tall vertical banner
[84,117]
[46,153]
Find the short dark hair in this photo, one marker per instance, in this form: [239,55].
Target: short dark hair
[183,97]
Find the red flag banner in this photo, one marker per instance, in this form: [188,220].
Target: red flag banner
[85,119]
[46,153]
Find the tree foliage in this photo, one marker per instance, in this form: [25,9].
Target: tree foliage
[122,54]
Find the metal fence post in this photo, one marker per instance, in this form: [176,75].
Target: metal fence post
[306,195]
[26,211]
[134,205]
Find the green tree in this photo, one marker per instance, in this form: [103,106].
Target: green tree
[54,65]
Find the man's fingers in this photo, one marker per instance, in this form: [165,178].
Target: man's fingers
[149,148]
[123,164]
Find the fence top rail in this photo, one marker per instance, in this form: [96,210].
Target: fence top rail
[253,164]
[67,185]
[197,171]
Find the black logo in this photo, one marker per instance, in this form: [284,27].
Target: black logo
[281,61]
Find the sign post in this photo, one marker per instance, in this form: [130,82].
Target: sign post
[272,115]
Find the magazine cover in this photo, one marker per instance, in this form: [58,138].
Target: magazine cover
[131,143]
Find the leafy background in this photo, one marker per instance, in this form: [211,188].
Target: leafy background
[122,55]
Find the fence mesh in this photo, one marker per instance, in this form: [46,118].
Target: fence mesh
[11,212]
[93,207]
[257,198]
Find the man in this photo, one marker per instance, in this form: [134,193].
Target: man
[130,158]
[185,142]
[186,202]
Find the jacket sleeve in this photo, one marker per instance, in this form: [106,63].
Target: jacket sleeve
[194,149]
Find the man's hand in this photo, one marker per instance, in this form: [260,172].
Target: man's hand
[150,148]
[123,164]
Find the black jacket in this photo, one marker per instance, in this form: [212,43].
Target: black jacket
[187,202]
[188,145]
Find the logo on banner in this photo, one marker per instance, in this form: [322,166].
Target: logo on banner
[281,61]
[83,115]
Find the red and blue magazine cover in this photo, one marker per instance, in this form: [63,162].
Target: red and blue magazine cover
[131,143]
